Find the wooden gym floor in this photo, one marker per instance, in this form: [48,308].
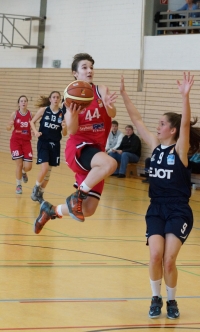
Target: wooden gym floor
[90,276]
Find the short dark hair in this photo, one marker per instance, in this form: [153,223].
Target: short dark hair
[115,122]
[79,57]
[129,126]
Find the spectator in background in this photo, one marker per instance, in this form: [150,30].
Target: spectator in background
[114,138]
[190,5]
[129,151]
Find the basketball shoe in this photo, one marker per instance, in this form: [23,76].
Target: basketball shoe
[172,309]
[155,308]
[37,194]
[74,203]
[47,212]
[19,189]
[24,177]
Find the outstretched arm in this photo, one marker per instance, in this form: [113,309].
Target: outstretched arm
[182,146]
[149,138]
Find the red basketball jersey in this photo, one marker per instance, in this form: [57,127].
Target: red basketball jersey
[22,128]
[94,123]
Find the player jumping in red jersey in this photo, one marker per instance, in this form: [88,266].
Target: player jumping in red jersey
[20,142]
[85,149]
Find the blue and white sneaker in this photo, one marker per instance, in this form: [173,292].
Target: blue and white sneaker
[172,309]
[155,308]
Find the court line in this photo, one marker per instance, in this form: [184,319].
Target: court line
[76,251]
[106,299]
[111,327]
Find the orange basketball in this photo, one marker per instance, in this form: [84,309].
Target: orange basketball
[78,92]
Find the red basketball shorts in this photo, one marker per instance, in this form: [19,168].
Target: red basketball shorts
[72,154]
[21,149]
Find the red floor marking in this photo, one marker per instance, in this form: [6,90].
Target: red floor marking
[40,263]
[94,263]
[98,327]
[52,301]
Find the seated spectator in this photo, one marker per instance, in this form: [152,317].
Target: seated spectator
[190,5]
[194,162]
[114,138]
[147,165]
[129,151]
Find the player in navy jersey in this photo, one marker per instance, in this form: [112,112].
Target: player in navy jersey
[169,217]
[52,127]
[20,142]
[85,148]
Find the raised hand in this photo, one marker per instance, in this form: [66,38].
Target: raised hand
[186,84]
[110,98]
[122,86]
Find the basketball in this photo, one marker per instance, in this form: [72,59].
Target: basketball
[78,92]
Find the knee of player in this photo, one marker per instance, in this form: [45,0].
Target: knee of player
[112,165]
[168,264]
[88,210]
[156,258]
[28,167]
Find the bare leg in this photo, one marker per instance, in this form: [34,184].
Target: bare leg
[19,166]
[172,248]
[27,166]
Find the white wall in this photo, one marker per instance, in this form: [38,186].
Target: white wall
[172,52]
[108,29]
[16,57]
[177,52]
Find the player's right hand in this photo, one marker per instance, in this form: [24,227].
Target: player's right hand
[37,133]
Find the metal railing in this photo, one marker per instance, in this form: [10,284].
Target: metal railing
[188,22]
[8,36]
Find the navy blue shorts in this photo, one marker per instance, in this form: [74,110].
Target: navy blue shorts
[173,217]
[48,152]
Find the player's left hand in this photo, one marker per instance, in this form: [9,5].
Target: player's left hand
[63,124]
[186,85]
[110,98]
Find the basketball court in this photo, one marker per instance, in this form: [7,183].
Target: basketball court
[90,276]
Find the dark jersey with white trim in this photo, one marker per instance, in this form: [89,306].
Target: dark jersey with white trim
[168,177]
[51,125]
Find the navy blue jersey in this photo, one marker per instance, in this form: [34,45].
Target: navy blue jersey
[168,177]
[64,109]
[51,125]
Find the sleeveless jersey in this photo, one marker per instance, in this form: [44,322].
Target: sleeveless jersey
[168,177]
[94,123]
[22,128]
[51,125]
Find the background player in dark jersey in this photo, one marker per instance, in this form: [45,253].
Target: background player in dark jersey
[52,127]
[85,149]
[20,142]
[169,218]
